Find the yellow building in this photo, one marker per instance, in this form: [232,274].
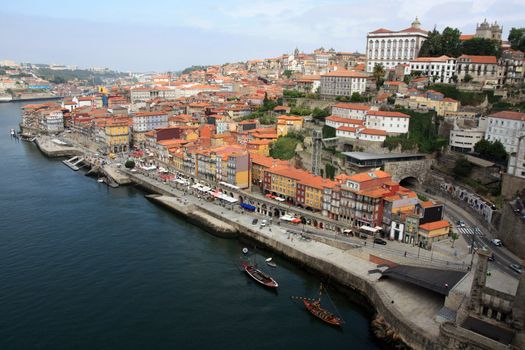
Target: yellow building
[117,134]
[433,232]
[287,123]
[260,163]
[177,159]
[261,147]
[441,106]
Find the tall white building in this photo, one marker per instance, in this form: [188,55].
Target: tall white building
[390,48]
[509,128]
[506,127]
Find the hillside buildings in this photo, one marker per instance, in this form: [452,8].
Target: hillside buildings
[391,48]
[362,122]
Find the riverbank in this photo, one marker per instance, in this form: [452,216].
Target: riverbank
[408,311]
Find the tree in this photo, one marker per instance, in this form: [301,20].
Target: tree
[329,171]
[481,47]
[130,164]
[320,114]
[356,97]
[328,132]
[450,43]
[453,236]
[379,74]
[287,73]
[432,47]
[517,38]
[462,168]
[467,78]
[494,151]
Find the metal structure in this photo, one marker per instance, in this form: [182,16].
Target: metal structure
[317,148]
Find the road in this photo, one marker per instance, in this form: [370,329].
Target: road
[476,235]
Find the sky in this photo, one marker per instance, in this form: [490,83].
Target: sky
[163,35]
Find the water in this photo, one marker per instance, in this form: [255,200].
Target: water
[83,266]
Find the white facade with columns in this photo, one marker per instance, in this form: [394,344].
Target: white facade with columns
[390,48]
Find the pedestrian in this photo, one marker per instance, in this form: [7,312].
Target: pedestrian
[405,253]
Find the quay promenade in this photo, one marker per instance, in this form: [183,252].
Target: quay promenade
[410,312]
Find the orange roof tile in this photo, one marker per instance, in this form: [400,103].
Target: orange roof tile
[356,106]
[480,59]
[430,226]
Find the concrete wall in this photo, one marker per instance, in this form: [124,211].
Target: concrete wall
[511,185]
[511,230]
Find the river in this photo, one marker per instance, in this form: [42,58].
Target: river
[83,266]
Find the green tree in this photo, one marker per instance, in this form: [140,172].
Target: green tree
[328,132]
[481,47]
[453,236]
[379,74]
[329,171]
[284,147]
[130,164]
[356,97]
[517,38]
[287,73]
[462,168]
[494,151]
[432,47]
[320,114]
[467,78]
[450,43]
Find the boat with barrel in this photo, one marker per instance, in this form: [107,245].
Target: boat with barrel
[315,308]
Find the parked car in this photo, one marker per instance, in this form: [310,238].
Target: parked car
[492,257]
[496,242]
[379,241]
[517,268]
[263,223]
[254,222]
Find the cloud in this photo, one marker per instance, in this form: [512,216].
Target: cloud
[165,34]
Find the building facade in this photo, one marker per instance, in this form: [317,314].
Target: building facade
[390,48]
[439,69]
[342,82]
[480,69]
[506,127]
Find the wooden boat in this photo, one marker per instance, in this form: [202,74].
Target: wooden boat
[259,276]
[315,308]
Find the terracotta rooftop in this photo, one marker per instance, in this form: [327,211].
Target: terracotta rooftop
[435,225]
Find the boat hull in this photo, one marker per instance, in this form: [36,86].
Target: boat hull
[259,276]
[315,309]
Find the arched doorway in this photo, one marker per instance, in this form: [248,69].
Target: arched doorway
[276,213]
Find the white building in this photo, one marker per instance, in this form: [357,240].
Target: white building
[52,121]
[146,121]
[390,48]
[440,69]
[361,122]
[343,82]
[463,139]
[506,127]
